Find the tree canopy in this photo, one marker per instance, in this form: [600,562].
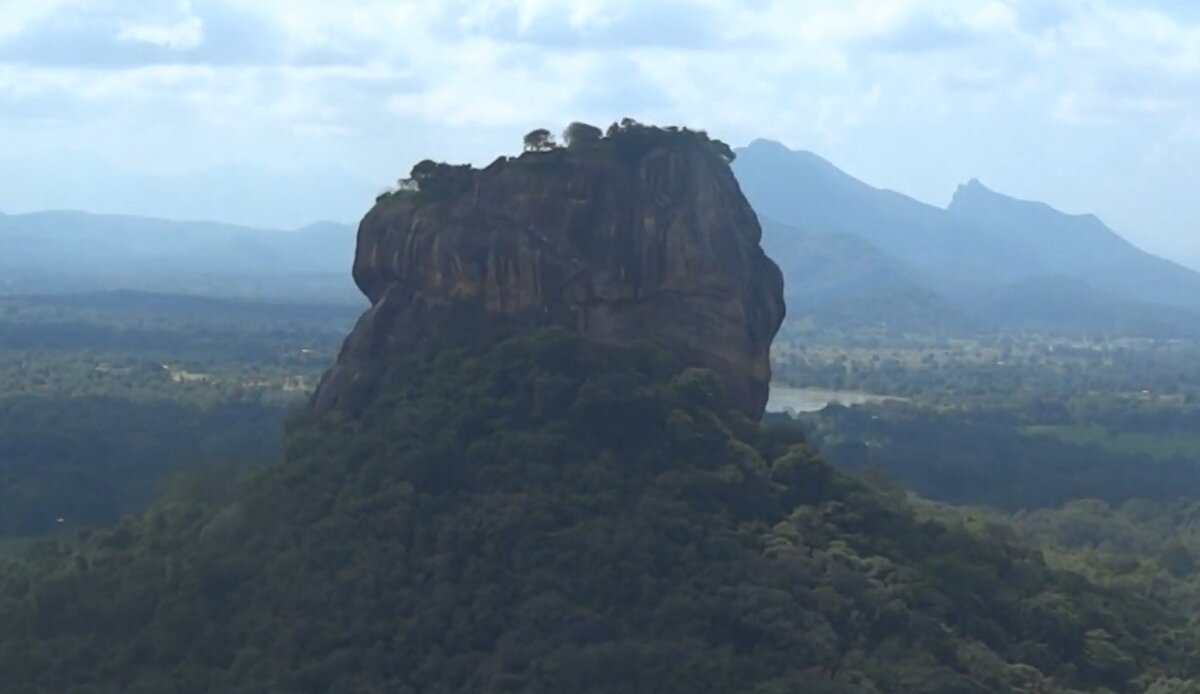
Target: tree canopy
[540,140]
[578,134]
[545,515]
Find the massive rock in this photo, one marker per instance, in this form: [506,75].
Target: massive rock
[642,235]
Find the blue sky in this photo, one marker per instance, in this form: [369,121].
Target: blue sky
[278,112]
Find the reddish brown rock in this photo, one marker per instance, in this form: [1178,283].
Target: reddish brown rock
[644,235]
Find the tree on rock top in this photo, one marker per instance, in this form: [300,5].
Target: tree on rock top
[539,140]
[580,134]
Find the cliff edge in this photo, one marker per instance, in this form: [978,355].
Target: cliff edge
[640,234]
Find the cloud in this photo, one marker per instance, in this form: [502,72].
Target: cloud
[924,32]
[1113,64]
[1041,16]
[181,35]
[825,66]
[683,24]
[111,35]
[376,84]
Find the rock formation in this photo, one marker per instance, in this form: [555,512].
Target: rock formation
[641,235]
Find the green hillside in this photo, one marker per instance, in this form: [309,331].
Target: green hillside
[547,515]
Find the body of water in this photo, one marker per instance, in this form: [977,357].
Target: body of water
[798,400]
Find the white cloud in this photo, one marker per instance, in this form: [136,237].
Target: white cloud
[376,84]
[187,33]
[821,67]
[17,15]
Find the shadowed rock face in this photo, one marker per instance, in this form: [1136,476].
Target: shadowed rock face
[619,243]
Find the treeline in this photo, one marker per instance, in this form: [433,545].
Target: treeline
[997,372]
[549,515]
[988,457]
[71,463]
[170,326]
[626,140]
[105,397]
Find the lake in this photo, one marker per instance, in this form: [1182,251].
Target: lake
[783,399]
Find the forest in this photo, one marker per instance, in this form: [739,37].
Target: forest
[103,397]
[1010,422]
[481,477]
[1026,502]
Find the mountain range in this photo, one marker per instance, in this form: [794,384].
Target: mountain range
[236,192]
[852,255]
[986,261]
[69,251]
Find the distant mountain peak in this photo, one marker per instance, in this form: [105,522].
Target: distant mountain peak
[774,148]
[983,238]
[797,166]
[974,198]
[765,144]
[974,189]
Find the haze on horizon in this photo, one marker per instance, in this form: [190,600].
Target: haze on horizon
[279,113]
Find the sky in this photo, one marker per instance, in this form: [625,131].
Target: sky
[281,112]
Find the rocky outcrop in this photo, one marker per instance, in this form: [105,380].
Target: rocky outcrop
[642,235]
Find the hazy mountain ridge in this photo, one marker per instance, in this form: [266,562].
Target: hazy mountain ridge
[171,242]
[851,253]
[841,278]
[1077,246]
[802,190]
[69,251]
[242,193]
[1001,262]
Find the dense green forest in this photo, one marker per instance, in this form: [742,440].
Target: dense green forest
[106,395]
[174,326]
[1069,564]
[1010,422]
[483,527]
[103,397]
[992,457]
[1005,370]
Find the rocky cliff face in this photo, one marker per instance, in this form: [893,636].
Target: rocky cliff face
[643,235]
